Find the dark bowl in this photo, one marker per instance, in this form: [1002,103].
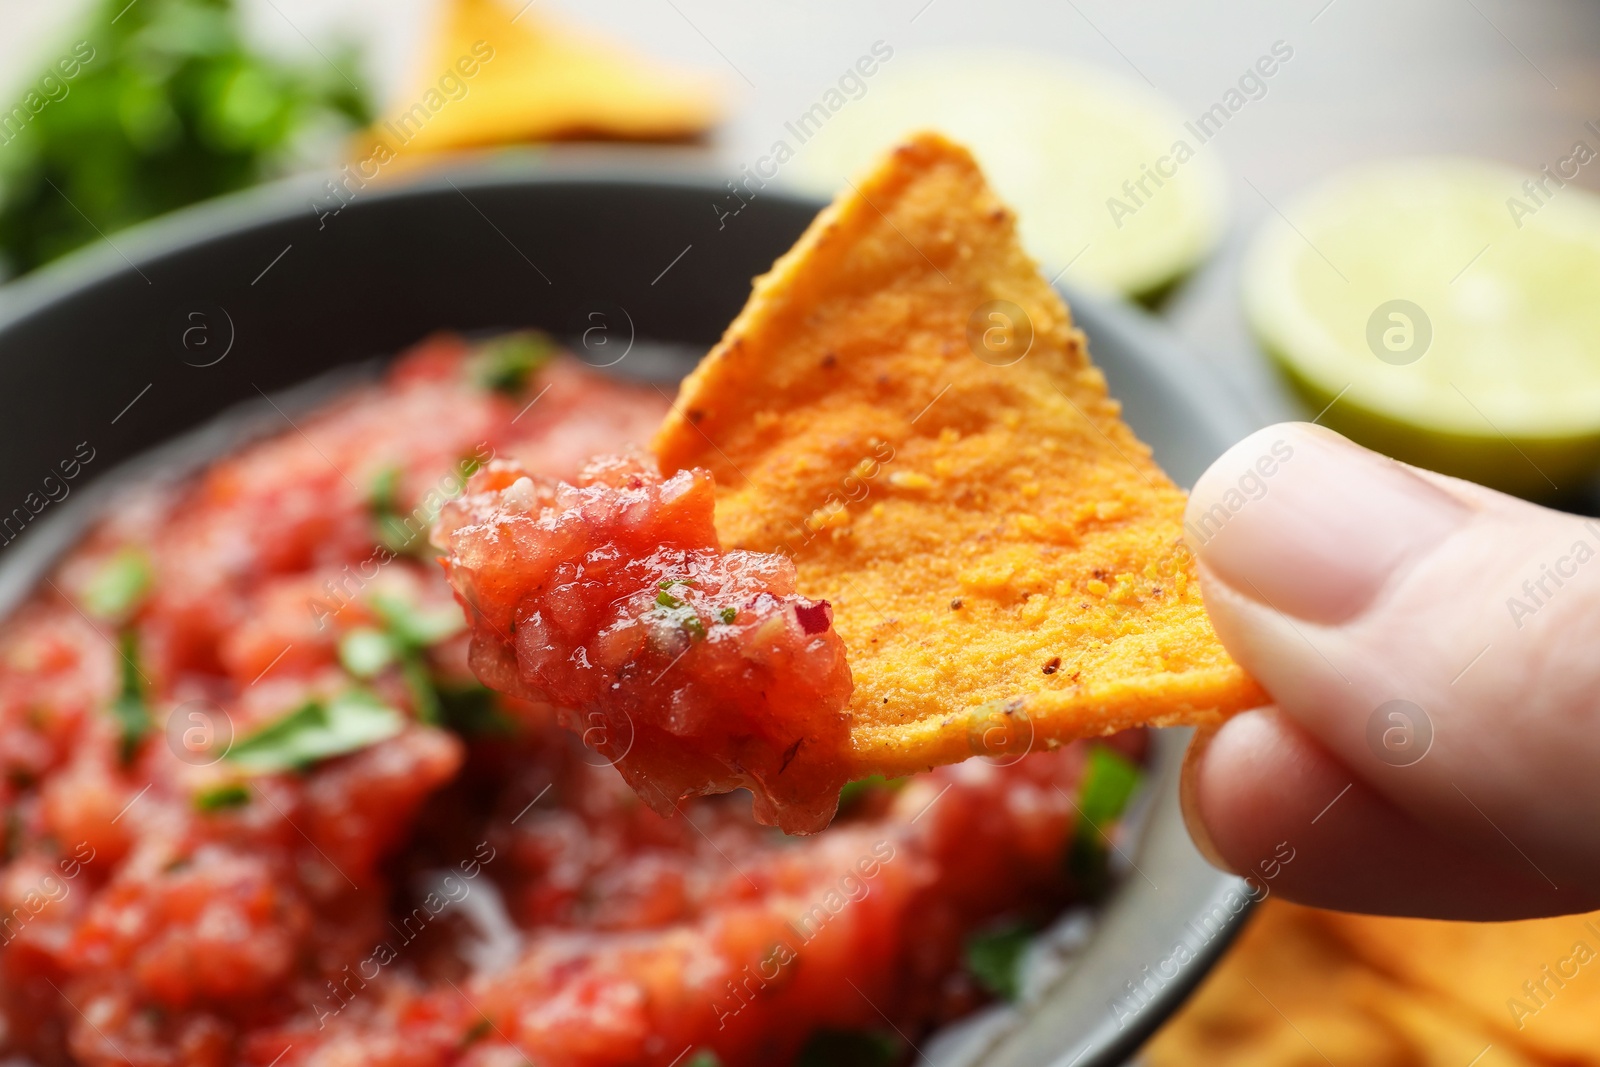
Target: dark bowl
[150,339]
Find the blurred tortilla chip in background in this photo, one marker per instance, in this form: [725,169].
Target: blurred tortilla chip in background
[495,75]
[1306,988]
[905,408]
[1537,982]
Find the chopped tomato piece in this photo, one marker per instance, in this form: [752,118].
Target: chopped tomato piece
[694,670]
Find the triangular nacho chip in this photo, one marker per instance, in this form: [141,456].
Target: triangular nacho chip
[905,407]
[497,76]
[1486,967]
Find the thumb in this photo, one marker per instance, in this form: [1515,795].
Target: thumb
[1430,646]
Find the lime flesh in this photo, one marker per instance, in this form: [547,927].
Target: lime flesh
[1058,142]
[1445,313]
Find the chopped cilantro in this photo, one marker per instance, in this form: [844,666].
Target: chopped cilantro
[475,1033]
[399,537]
[222,797]
[849,1048]
[119,586]
[858,790]
[419,681]
[506,363]
[471,711]
[365,652]
[415,627]
[129,708]
[679,610]
[994,958]
[1109,782]
[398,532]
[728,615]
[409,632]
[318,730]
[385,494]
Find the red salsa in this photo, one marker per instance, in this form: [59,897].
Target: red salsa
[255,807]
[693,670]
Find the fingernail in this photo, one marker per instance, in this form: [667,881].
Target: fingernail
[1189,798]
[1302,520]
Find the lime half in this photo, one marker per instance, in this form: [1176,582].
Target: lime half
[1106,181]
[1447,312]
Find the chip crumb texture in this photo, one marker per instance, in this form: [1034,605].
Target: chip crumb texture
[905,407]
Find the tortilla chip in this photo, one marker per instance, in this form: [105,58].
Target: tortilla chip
[1290,993]
[541,81]
[1003,557]
[1536,982]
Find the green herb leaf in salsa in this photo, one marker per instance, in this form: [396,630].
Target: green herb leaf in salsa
[222,797]
[475,1033]
[129,708]
[410,632]
[1109,782]
[398,532]
[471,711]
[384,496]
[858,790]
[506,363]
[119,586]
[419,682]
[318,730]
[994,958]
[849,1048]
[678,610]
[365,652]
[415,627]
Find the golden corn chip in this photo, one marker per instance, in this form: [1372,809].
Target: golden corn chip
[905,407]
[1535,982]
[1291,993]
[497,77]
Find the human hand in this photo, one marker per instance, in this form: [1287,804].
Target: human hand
[1344,581]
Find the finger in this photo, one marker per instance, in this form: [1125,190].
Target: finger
[1266,801]
[1433,637]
